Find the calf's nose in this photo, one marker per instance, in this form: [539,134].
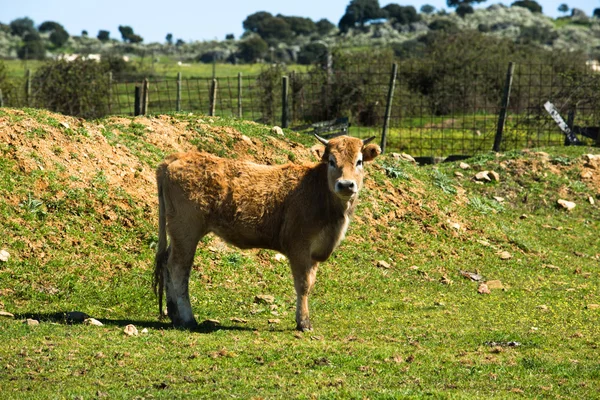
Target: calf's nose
[345,185]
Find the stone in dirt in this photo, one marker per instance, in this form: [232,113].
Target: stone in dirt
[483,289]
[4,255]
[505,255]
[277,130]
[567,205]
[264,299]
[92,321]
[130,330]
[593,306]
[464,165]
[31,322]
[383,264]
[6,314]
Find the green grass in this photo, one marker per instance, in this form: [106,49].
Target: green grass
[418,329]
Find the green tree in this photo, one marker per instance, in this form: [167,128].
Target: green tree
[362,11]
[22,26]
[169,38]
[252,21]
[103,36]
[49,26]
[300,25]
[252,49]
[324,26]
[84,33]
[230,36]
[4,28]
[402,15]
[312,53]
[33,47]
[596,12]
[346,22]
[456,3]
[531,5]
[427,9]
[274,29]
[464,9]
[563,8]
[135,38]
[126,32]
[58,35]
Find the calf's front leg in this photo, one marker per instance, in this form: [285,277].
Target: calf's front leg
[305,273]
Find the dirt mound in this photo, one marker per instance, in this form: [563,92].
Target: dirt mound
[39,140]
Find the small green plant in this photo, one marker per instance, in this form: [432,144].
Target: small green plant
[394,171]
[33,206]
[485,206]
[442,181]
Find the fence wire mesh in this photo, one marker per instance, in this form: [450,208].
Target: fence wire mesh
[436,111]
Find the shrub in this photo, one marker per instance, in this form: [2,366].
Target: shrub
[531,5]
[464,9]
[312,53]
[253,49]
[33,47]
[78,88]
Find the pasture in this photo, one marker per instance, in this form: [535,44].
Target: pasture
[397,310]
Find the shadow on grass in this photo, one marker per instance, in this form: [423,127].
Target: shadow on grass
[77,317]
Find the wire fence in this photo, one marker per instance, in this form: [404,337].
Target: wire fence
[435,110]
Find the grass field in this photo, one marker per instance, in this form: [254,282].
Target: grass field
[79,222]
[164,67]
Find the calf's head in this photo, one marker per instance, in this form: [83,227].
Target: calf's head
[345,156]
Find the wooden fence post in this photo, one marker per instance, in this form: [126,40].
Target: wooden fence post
[1,99]
[178,99]
[28,88]
[110,91]
[213,98]
[137,104]
[388,107]
[504,107]
[239,95]
[284,102]
[144,102]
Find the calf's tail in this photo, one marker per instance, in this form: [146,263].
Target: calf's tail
[162,252]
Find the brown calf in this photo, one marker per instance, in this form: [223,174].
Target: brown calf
[300,211]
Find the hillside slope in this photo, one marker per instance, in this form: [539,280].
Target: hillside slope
[399,310]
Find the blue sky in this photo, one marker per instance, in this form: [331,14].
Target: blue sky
[198,20]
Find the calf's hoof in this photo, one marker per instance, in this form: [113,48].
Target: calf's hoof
[304,326]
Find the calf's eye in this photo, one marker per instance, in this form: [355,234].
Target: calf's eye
[331,163]
[359,163]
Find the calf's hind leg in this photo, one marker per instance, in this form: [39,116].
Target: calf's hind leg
[177,276]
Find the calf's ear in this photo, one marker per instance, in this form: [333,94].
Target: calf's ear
[318,151]
[370,151]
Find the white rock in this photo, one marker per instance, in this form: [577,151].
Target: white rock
[264,299]
[4,256]
[145,330]
[6,314]
[93,321]
[568,205]
[482,176]
[591,200]
[464,165]
[277,130]
[130,330]
[31,322]
[279,257]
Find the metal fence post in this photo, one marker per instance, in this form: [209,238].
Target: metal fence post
[213,98]
[504,107]
[284,102]
[110,91]
[178,98]
[239,95]
[388,107]
[28,88]
[1,99]
[137,103]
[144,102]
